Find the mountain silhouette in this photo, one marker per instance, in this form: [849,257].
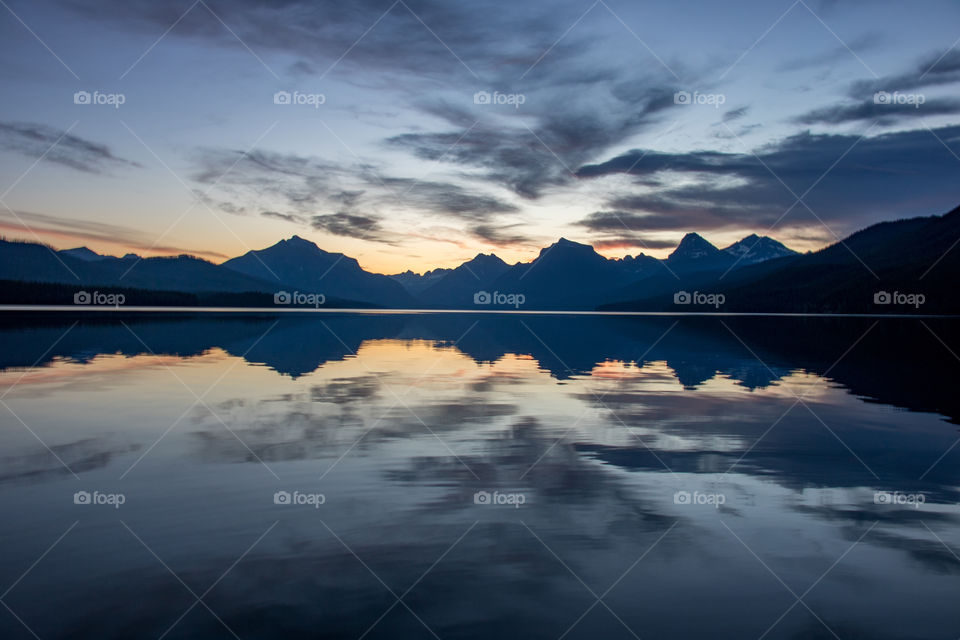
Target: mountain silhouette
[29,262]
[457,287]
[566,275]
[754,249]
[417,283]
[83,253]
[754,274]
[302,264]
[696,254]
[911,256]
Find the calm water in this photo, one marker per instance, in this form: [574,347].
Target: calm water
[448,476]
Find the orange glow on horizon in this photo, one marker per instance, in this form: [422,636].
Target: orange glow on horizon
[118,248]
[433,255]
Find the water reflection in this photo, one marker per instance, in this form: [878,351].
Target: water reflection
[400,420]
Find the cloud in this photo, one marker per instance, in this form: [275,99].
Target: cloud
[79,231]
[735,114]
[633,242]
[579,101]
[415,39]
[894,174]
[884,113]
[934,70]
[584,103]
[297,181]
[658,213]
[35,140]
[293,186]
[286,217]
[840,52]
[351,226]
[443,198]
[498,235]
[898,93]
[357,192]
[528,159]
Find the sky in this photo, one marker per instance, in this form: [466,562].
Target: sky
[415,134]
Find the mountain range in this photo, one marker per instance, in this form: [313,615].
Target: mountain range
[910,257]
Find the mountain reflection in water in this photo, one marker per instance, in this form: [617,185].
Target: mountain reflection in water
[606,426]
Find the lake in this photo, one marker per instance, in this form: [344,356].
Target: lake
[426,475]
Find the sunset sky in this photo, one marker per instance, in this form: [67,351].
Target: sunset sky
[617,123]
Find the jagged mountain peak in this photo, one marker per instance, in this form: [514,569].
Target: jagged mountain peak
[488,258]
[756,248]
[299,263]
[297,242]
[484,266]
[693,246]
[82,253]
[563,246]
[564,242]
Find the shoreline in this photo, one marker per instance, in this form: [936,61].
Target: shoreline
[359,311]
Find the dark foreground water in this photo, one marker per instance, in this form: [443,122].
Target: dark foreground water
[464,476]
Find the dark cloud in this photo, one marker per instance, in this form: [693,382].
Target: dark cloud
[286,217]
[527,160]
[892,99]
[501,235]
[444,198]
[243,183]
[297,180]
[60,147]
[513,158]
[934,70]
[619,221]
[728,133]
[895,174]
[882,112]
[656,213]
[347,198]
[735,114]
[351,226]
[307,184]
[629,241]
[409,37]
[579,103]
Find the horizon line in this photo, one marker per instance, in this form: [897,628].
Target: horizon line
[198,256]
[412,310]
